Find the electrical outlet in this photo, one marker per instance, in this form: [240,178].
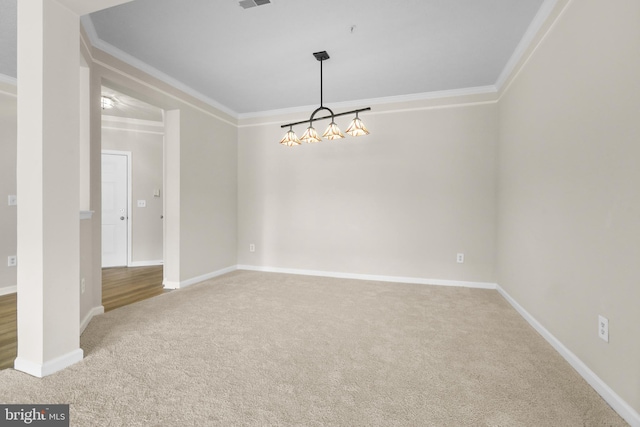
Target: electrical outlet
[142,203]
[460,258]
[252,247]
[82,285]
[13,200]
[12,261]
[603,328]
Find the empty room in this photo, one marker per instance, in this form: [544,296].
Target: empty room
[357,212]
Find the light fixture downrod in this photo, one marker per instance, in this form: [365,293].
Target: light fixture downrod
[356,128]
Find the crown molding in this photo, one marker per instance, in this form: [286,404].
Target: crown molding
[89,29]
[424,96]
[8,80]
[86,34]
[510,68]
[131,121]
[97,42]
[526,42]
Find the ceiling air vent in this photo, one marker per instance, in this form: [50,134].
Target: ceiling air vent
[246,4]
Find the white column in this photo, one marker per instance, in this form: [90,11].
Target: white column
[48,187]
[171,199]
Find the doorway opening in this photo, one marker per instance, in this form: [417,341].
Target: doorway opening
[132,198]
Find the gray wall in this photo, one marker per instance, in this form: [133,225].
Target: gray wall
[208,194]
[8,214]
[569,204]
[548,176]
[402,201]
[203,218]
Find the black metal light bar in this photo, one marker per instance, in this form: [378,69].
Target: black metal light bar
[313,119]
[356,128]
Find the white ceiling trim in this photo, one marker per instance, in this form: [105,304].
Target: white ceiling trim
[147,84]
[393,111]
[434,107]
[125,129]
[128,120]
[12,95]
[89,29]
[143,66]
[527,40]
[8,80]
[534,49]
[377,101]
[172,96]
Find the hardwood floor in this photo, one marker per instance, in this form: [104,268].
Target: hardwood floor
[120,286]
[124,286]
[8,332]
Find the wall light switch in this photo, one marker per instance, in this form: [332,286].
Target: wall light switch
[13,200]
[142,203]
[252,247]
[156,192]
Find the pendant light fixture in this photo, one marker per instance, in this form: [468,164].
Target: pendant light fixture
[290,139]
[356,128]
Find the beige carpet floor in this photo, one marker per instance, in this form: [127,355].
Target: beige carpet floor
[264,349]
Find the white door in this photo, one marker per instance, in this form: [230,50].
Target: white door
[115,218]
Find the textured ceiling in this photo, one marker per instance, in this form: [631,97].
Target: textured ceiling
[8,37]
[260,59]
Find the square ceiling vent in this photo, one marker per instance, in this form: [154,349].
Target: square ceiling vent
[246,4]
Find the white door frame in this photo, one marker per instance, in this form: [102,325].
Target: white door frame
[129,191]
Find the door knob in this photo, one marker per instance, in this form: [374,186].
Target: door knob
[121,218]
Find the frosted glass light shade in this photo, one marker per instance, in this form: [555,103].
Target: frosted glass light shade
[333,132]
[357,128]
[310,135]
[290,139]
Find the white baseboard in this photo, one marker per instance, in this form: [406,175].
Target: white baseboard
[167,284]
[8,290]
[50,367]
[371,277]
[145,263]
[629,414]
[95,311]
[183,284]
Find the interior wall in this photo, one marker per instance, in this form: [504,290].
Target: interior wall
[92,301]
[207,169]
[208,194]
[402,201]
[91,296]
[146,147]
[88,297]
[8,214]
[569,170]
